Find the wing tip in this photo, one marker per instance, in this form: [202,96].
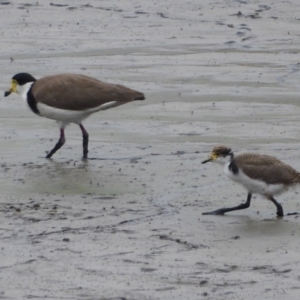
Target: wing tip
[140,97]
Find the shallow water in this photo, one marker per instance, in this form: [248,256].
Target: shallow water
[128,224]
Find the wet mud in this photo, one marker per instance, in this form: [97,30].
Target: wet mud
[127,224]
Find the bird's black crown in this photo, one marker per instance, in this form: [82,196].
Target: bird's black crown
[23,78]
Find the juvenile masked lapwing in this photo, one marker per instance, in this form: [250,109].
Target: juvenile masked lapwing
[258,174]
[70,98]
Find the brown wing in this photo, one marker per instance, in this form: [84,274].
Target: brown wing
[79,92]
[257,159]
[267,168]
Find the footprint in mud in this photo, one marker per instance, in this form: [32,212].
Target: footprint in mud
[189,246]
[33,212]
[58,5]
[267,269]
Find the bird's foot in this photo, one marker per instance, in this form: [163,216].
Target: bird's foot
[279,213]
[218,212]
[293,214]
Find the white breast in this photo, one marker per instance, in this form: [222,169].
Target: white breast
[22,90]
[252,185]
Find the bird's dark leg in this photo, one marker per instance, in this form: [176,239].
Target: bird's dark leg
[85,141]
[279,207]
[59,144]
[222,211]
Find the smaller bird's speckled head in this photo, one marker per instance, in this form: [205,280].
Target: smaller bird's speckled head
[220,154]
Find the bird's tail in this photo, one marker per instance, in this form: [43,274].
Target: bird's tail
[139,96]
[297,175]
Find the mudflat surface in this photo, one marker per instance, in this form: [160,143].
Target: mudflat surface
[128,224]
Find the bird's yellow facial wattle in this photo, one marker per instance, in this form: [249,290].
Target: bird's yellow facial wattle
[213,156]
[13,88]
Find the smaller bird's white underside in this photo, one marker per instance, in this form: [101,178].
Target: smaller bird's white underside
[254,186]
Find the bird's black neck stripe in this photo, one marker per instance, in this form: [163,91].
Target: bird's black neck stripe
[32,102]
[233,167]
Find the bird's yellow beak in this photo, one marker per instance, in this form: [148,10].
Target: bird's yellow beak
[13,88]
[212,157]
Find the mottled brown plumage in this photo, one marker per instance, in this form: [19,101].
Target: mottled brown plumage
[221,150]
[262,167]
[261,174]
[80,92]
[267,168]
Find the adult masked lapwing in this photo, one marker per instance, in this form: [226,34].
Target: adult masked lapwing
[258,174]
[70,98]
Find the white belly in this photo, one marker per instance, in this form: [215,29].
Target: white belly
[70,116]
[255,186]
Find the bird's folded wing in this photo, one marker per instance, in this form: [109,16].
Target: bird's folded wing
[272,174]
[79,92]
